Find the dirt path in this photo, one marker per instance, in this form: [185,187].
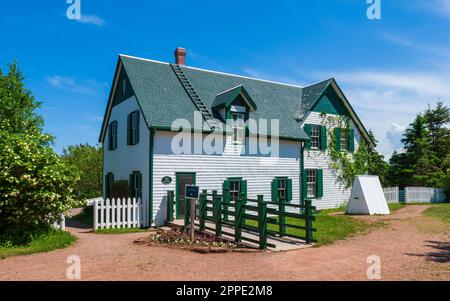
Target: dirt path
[410,247]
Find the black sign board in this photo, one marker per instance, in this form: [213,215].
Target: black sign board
[192,192]
[166,180]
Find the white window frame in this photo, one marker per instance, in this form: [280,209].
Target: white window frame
[311,183]
[238,125]
[236,190]
[344,139]
[282,188]
[315,136]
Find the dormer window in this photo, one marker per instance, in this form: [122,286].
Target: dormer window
[238,127]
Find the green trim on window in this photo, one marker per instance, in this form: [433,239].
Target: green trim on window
[319,183]
[351,140]
[307,128]
[129,129]
[337,138]
[275,190]
[323,137]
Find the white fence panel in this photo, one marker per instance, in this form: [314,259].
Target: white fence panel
[424,195]
[120,213]
[391,194]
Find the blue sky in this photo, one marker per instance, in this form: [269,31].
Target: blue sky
[390,69]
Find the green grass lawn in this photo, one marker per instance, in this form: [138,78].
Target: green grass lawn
[439,211]
[119,230]
[44,243]
[331,226]
[395,207]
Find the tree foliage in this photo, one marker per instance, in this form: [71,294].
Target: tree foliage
[35,184]
[87,159]
[425,160]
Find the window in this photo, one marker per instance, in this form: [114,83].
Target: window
[311,182]
[113,135]
[315,136]
[238,127]
[344,139]
[133,128]
[233,188]
[135,184]
[282,189]
[318,135]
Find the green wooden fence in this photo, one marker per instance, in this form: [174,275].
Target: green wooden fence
[252,216]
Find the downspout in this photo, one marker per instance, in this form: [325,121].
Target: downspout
[302,168]
[150,186]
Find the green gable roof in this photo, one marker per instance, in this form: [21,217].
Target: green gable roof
[225,99]
[163,99]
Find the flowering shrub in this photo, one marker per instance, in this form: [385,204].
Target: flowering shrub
[35,185]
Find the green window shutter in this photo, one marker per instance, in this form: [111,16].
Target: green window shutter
[307,129]
[110,146]
[244,187]
[337,138]
[130,186]
[136,130]
[226,189]
[129,130]
[107,192]
[319,183]
[115,135]
[351,140]
[323,137]
[140,185]
[304,184]
[289,190]
[275,190]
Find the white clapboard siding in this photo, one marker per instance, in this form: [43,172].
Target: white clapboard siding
[334,193]
[120,213]
[126,159]
[212,170]
[391,194]
[424,195]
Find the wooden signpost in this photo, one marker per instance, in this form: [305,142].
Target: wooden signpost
[192,194]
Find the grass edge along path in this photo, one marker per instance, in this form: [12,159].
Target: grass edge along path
[50,241]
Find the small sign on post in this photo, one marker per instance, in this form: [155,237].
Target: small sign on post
[192,193]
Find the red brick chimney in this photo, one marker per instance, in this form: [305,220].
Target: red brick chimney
[180,56]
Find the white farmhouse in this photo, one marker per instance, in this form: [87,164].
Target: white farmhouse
[153,143]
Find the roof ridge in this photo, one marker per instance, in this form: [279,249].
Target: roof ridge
[231,89]
[212,71]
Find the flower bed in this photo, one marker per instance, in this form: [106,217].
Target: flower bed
[177,237]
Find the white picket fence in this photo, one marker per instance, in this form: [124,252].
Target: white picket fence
[424,195]
[391,194]
[120,213]
[61,223]
[415,195]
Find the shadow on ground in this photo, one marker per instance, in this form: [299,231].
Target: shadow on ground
[440,254]
[76,224]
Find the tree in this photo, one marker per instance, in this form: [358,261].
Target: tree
[87,159]
[35,184]
[377,165]
[426,159]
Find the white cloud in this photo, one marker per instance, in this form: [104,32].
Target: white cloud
[91,19]
[439,7]
[67,83]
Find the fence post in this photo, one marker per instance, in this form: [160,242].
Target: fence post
[226,200]
[281,217]
[238,220]
[96,214]
[262,222]
[202,213]
[217,210]
[187,216]
[170,198]
[308,221]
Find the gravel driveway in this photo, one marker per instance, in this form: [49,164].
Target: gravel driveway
[410,246]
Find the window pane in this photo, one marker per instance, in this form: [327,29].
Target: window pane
[315,136]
